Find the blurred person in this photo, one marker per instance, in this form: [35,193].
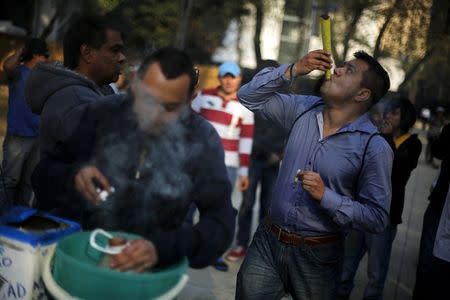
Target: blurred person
[441,251]
[399,118]
[93,57]
[435,124]
[267,151]
[20,146]
[151,148]
[425,115]
[335,176]
[233,122]
[433,272]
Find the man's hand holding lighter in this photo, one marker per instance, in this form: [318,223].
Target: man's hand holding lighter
[86,180]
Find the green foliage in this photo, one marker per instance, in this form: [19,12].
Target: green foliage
[108,5]
[153,23]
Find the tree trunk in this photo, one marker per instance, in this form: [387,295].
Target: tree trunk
[186,6]
[258,28]
[351,32]
[377,50]
[239,37]
[49,28]
[415,67]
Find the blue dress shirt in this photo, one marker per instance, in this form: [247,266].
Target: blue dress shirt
[350,201]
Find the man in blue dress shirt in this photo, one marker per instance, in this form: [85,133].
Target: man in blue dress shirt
[335,175]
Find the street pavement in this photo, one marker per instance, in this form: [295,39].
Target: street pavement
[212,284]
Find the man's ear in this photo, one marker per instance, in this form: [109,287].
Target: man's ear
[86,53]
[363,95]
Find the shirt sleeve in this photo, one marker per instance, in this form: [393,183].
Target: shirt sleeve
[264,95]
[247,125]
[370,211]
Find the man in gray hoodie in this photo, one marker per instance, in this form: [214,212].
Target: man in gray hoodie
[93,57]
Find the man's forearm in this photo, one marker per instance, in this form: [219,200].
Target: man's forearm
[263,88]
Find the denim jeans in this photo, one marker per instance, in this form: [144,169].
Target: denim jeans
[20,156]
[432,276]
[232,175]
[272,268]
[378,246]
[259,172]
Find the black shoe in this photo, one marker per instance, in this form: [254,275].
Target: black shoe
[220,265]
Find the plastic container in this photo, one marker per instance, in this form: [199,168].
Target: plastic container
[76,271]
[26,238]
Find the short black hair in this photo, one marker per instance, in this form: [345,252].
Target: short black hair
[89,30]
[376,79]
[408,113]
[34,46]
[173,62]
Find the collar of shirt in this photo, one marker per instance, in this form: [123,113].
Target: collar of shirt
[362,123]
[398,141]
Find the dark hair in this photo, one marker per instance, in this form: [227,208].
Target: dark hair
[376,79]
[408,113]
[89,30]
[34,46]
[173,62]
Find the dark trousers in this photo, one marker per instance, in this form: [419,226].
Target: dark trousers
[378,247]
[20,156]
[433,274]
[260,172]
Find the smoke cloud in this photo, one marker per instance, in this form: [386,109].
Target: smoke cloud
[147,164]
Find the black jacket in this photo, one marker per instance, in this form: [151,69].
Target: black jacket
[440,149]
[405,161]
[267,139]
[156,179]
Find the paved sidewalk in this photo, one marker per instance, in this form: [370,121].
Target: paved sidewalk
[212,284]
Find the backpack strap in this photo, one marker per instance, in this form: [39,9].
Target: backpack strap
[363,159]
[298,117]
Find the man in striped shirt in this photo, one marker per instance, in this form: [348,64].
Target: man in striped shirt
[233,122]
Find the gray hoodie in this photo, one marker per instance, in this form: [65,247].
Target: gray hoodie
[60,96]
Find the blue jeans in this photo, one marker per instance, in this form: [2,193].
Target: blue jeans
[20,156]
[432,276]
[379,248]
[232,175]
[271,268]
[259,172]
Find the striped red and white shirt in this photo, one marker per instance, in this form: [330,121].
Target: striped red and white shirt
[233,122]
